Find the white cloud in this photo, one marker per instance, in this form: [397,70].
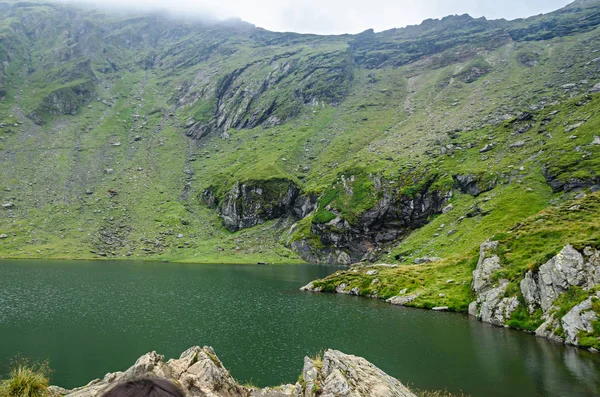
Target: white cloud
[339,16]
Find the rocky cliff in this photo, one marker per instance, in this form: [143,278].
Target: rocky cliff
[355,221]
[255,202]
[199,372]
[563,295]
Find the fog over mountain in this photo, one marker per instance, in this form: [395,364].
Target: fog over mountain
[336,16]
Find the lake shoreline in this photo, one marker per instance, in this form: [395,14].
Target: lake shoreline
[258,320]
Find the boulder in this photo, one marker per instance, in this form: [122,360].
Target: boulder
[402,300]
[351,376]
[200,373]
[447,209]
[580,318]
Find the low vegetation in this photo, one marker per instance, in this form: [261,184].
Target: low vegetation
[26,379]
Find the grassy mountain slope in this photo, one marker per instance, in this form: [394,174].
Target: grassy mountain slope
[126,136]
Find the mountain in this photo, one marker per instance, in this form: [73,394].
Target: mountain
[149,137]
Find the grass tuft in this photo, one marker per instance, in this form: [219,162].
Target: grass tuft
[26,379]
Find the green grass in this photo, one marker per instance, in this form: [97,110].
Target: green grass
[526,246]
[388,123]
[26,379]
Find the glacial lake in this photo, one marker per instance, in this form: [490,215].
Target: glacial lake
[90,318]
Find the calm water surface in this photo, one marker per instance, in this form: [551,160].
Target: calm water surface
[90,318]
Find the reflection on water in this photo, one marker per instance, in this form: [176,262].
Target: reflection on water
[90,318]
[534,365]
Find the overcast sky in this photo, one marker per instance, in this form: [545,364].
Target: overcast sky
[341,16]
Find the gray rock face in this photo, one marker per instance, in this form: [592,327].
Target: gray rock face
[530,290]
[580,318]
[241,99]
[559,273]
[473,185]
[540,290]
[492,307]
[342,243]
[567,269]
[346,375]
[402,300]
[323,256]
[64,101]
[567,185]
[253,203]
[486,266]
[393,216]
[200,373]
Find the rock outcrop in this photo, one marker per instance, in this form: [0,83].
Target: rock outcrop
[246,98]
[491,305]
[473,184]
[63,101]
[199,372]
[254,202]
[392,216]
[540,291]
[341,241]
[562,180]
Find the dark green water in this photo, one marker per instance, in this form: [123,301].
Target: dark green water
[90,318]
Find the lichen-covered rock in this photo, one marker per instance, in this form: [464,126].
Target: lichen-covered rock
[207,375]
[402,300]
[310,374]
[530,290]
[540,291]
[486,266]
[346,375]
[559,273]
[200,373]
[580,318]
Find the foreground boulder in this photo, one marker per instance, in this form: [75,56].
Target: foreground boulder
[199,372]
